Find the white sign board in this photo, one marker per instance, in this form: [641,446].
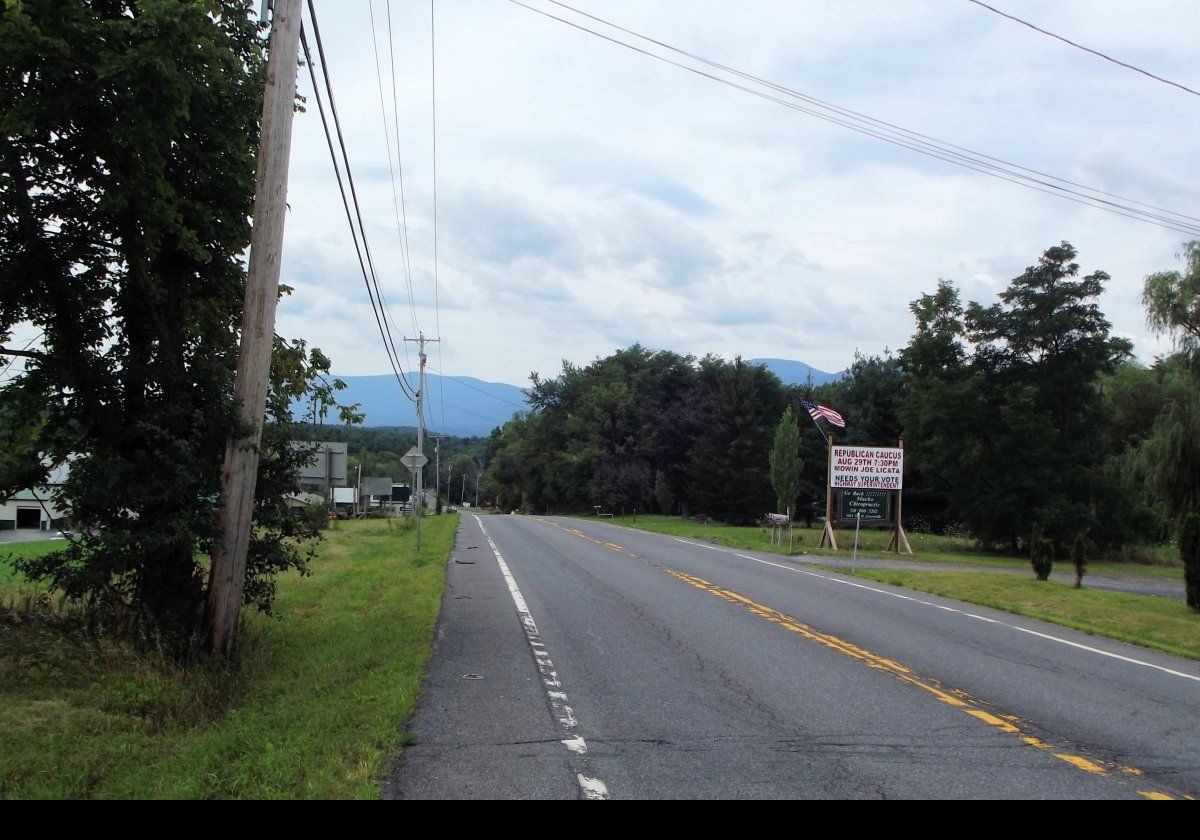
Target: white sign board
[872,467]
[345,495]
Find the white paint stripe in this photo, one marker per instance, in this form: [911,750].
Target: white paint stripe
[564,714]
[978,617]
[943,607]
[592,788]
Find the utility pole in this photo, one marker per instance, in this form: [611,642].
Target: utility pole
[437,469]
[239,476]
[463,501]
[418,474]
[476,488]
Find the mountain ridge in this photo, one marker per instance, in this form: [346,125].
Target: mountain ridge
[466,406]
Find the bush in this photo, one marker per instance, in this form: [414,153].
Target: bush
[1041,554]
[1079,559]
[1189,552]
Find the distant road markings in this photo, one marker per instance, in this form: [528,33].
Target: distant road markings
[1009,724]
[945,608]
[559,707]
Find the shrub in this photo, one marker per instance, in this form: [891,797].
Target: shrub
[1041,554]
[1189,552]
[1079,559]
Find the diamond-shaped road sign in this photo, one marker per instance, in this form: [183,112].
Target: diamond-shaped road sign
[414,459]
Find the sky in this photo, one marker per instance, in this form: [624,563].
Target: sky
[589,197]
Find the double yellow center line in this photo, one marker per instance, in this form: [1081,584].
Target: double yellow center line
[978,709]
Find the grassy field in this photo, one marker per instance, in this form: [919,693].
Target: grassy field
[314,710]
[1160,623]
[928,548]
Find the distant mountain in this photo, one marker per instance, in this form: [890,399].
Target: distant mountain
[459,405]
[471,407]
[797,373]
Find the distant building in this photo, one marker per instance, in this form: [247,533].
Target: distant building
[35,509]
[325,470]
[376,491]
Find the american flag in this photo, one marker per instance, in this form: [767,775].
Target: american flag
[820,411]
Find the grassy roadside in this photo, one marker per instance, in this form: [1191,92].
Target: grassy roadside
[928,548]
[314,710]
[1163,624]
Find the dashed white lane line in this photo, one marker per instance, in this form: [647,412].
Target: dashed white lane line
[592,788]
[945,608]
[559,707]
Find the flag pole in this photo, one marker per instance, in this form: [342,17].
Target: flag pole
[828,536]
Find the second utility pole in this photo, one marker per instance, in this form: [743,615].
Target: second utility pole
[419,473]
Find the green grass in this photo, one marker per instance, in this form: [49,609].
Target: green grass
[10,580]
[928,548]
[314,710]
[1162,624]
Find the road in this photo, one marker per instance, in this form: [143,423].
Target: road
[576,659]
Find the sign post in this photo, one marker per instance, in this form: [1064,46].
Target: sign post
[898,535]
[828,540]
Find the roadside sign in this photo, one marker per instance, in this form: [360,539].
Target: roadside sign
[870,507]
[414,459]
[868,467]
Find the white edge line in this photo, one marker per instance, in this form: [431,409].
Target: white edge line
[978,617]
[944,608]
[563,714]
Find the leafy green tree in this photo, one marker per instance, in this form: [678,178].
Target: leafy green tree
[1014,431]
[1170,458]
[785,463]
[736,406]
[127,161]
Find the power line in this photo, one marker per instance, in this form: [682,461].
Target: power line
[1097,53]
[462,381]
[915,136]
[895,135]
[401,226]
[437,309]
[369,277]
[20,354]
[399,162]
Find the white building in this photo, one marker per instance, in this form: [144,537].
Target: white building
[34,509]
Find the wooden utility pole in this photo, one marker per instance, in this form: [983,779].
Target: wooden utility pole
[227,576]
[419,472]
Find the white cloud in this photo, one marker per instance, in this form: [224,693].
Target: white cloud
[590,197]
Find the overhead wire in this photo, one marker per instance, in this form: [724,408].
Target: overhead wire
[366,266]
[1097,53]
[463,382]
[932,142]
[895,135]
[437,308]
[401,225]
[408,272]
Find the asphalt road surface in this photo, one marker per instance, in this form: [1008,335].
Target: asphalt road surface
[579,660]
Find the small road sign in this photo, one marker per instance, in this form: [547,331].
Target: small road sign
[414,459]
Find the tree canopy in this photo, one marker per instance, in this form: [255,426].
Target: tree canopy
[130,133]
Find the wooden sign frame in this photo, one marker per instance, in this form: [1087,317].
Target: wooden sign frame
[899,540]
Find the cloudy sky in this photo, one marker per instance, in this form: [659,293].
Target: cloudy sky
[590,197]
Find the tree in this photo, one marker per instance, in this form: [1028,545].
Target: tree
[1170,458]
[785,463]
[1014,432]
[735,406]
[130,131]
